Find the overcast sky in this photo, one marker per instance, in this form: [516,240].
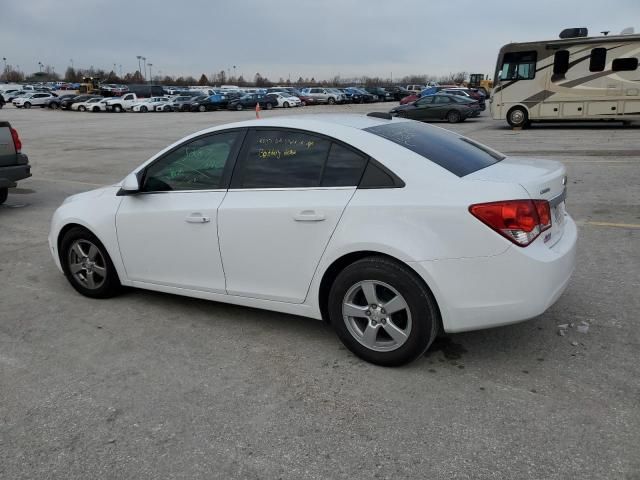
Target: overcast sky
[282,38]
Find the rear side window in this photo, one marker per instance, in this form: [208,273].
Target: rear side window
[598,59]
[624,64]
[461,156]
[281,159]
[561,62]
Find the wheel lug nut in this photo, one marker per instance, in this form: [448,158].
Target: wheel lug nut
[383,321]
[382,311]
[374,323]
[367,313]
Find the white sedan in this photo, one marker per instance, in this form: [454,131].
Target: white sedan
[389,229]
[285,100]
[92,105]
[150,104]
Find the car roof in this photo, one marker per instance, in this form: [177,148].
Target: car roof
[313,121]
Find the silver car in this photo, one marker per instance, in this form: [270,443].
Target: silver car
[324,95]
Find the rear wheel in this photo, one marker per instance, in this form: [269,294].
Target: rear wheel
[144,109]
[202,108]
[239,107]
[331,101]
[87,264]
[82,108]
[54,106]
[454,116]
[96,109]
[4,193]
[117,108]
[269,106]
[382,311]
[517,117]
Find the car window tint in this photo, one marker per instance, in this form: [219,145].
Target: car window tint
[442,99]
[282,159]
[195,165]
[459,155]
[344,167]
[425,101]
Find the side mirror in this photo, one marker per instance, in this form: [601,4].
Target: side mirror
[130,185]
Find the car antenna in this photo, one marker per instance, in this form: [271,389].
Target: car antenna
[384,115]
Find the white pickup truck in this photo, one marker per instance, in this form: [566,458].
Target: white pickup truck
[123,103]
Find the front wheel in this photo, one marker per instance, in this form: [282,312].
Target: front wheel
[82,108]
[269,106]
[87,264]
[4,193]
[144,109]
[202,108]
[117,108]
[382,311]
[27,105]
[331,101]
[517,117]
[285,104]
[239,107]
[454,116]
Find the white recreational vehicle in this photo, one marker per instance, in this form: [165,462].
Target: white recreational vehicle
[574,78]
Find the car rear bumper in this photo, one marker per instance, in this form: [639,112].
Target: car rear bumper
[9,175]
[517,285]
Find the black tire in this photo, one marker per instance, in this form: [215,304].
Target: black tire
[331,101]
[117,108]
[202,108]
[239,107]
[517,117]
[54,106]
[285,105]
[82,108]
[144,109]
[96,109]
[4,193]
[110,285]
[27,105]
[453,116]
[269,106]
[421,310]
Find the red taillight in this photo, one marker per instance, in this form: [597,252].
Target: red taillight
[521,221]
[16,140]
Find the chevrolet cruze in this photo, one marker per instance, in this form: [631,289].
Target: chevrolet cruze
[389,229]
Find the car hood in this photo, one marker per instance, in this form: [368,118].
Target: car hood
[98,192]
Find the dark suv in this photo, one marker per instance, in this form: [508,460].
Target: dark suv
[14,165]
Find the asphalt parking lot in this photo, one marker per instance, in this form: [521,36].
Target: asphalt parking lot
[149,385]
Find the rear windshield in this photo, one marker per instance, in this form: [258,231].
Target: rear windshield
[460,155]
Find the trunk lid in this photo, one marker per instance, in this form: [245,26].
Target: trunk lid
[542,179]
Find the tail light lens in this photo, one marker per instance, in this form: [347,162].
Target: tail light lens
[16,140]
[520,221]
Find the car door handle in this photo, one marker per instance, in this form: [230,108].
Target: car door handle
[309,216]
[197,218]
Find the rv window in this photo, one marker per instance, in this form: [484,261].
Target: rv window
[561,62]
[519,66]
[624,64]
[598,59]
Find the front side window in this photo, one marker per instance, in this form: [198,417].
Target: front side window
[598,59]
[281,159]
[519,66]
[195,165]
[425,101]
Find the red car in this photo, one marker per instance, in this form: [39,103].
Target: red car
[409,99]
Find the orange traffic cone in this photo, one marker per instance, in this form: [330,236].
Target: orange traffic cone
[258,110]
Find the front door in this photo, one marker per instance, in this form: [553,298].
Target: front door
[287,195]
[168,232]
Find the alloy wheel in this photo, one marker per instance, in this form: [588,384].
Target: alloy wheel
[87,264]
[377,315]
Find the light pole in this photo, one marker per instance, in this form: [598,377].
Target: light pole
[234,74]
[120,70]
[150,75]
[144,62]
[4,59]
[40,66]
[139,57]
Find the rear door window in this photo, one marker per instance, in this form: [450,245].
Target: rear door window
[459,155]
[281,159]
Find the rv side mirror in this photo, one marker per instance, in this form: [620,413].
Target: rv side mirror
[130,185]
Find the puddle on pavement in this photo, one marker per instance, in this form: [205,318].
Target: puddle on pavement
[450,349]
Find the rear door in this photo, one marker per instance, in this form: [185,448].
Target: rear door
[288,192]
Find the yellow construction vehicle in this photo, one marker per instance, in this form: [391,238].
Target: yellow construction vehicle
[477,80]
[90,85]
